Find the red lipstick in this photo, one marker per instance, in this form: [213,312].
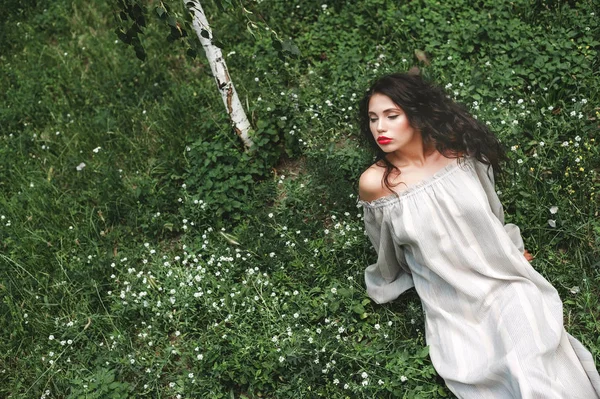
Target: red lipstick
[384,140]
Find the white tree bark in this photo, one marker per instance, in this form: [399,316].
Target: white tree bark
[219,70]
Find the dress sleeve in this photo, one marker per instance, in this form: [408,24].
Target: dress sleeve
[486,177]
[390,276]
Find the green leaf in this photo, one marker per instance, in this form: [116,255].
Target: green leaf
[230,238]
[525,194]
[358,309]
[276,44]
[141,20]
[137,11]
[123,37]
[191,53]
[140,53]
[290,47]
[220,5]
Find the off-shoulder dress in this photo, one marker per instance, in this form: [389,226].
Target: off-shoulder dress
[494,325]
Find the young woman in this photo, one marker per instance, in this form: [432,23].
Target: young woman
[493,324]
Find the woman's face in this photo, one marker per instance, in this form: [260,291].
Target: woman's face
[389,124]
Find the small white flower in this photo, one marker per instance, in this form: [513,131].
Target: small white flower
[97,149]
[553,209]
[403,378]
[574,290]
[80,167]
[334,290]
[541,144]
[552,222]
[364,375]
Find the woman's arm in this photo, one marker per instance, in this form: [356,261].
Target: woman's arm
[486,178]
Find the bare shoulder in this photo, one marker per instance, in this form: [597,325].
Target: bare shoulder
[370,184]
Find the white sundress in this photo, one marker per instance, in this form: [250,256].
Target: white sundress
[493,324]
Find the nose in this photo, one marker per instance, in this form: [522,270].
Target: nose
[380,125]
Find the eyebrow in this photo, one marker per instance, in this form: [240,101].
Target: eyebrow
[387,111]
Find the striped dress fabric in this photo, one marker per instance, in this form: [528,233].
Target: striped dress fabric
[493,324]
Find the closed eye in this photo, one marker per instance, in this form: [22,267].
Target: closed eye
[393,116]
[373,120]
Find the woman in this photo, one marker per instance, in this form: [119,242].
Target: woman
[493,324]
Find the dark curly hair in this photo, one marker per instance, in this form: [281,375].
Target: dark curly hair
[443,123]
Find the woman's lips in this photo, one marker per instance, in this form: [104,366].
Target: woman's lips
[384,140]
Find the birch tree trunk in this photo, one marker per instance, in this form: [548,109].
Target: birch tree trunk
[219,70]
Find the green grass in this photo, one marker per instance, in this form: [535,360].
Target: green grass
[173,264]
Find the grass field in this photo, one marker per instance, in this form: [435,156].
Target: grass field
[144,254]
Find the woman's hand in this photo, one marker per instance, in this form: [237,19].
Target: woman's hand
[528,256]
